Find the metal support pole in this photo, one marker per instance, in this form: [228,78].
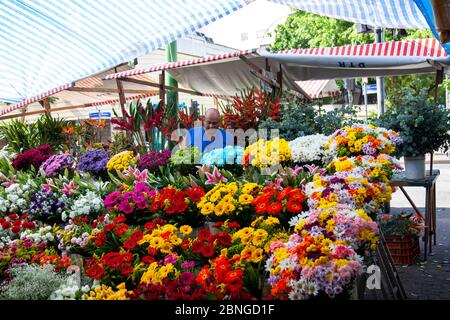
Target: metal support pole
[171,56]
[380,80]
[172,96]
[365,100]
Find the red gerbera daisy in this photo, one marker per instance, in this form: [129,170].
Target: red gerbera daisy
[274,208]
[294,207]
[233,274]
[207,250]
[126,269]
[261,207]
[204,235]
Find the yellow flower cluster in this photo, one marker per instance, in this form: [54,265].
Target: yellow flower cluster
[363,139]
[265,153]
[156,274]
[342,164]
[121,161]
[265,222]
[170,240]
[104,292]
[378,168]
[228,198]
[254,240]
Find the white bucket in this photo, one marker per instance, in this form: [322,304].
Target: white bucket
[415,167]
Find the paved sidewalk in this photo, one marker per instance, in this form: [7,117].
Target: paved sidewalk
[430,279]
[427,280]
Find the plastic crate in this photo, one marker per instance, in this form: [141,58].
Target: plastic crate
[404,249]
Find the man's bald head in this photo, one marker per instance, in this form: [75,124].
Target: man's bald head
[212,119]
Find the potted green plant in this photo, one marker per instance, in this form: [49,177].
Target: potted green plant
[424,128]
[401,232]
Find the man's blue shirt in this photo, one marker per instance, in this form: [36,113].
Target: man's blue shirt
[197,137]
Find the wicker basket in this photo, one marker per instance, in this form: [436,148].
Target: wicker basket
[404,249]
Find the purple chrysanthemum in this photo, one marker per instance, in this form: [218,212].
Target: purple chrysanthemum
[93,161]
[153,159]
[56,163]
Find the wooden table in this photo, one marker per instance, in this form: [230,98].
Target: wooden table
[429,183]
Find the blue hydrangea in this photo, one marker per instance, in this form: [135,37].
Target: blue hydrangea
[228,155]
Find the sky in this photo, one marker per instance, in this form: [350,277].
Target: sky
[247,28]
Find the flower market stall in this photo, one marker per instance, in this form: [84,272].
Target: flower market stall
[137,227]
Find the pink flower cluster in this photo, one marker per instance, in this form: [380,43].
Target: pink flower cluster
[129,201]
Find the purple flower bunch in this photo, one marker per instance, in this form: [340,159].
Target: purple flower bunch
[56,163]
[128,202]
[154,159]
[93,161]
[47,206]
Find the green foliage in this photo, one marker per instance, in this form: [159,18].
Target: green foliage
[19,135]
[399,86]
[22,136]
[121,141]
[400,224]
[308,30]
[423,126]
[329,122]
[301,120]
[50,131]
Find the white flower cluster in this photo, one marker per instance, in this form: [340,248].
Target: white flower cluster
[4,240]
[71,289]
[44,234]
[86,204]
[310,148]
[14,198]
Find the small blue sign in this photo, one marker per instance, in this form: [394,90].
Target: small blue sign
[371,88]
[100,115]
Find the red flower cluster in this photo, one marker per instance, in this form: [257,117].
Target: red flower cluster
[16,223]
[60,263]
[227,225]
[112,265]
[32,157]
[183,288]
[131,242]
[206,244]
[118,227]
[252,108]
[273,202]
[175,202]
[223,279]
[169,200]
[186,121]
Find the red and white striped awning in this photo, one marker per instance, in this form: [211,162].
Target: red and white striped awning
[318,88]
[37,98]
[180,64]
[430,48]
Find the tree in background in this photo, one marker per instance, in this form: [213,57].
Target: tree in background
[308,30]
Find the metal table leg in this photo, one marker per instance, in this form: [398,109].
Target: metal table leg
[427,222]
[434,215]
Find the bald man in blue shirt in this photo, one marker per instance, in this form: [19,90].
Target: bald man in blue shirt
[209,136]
